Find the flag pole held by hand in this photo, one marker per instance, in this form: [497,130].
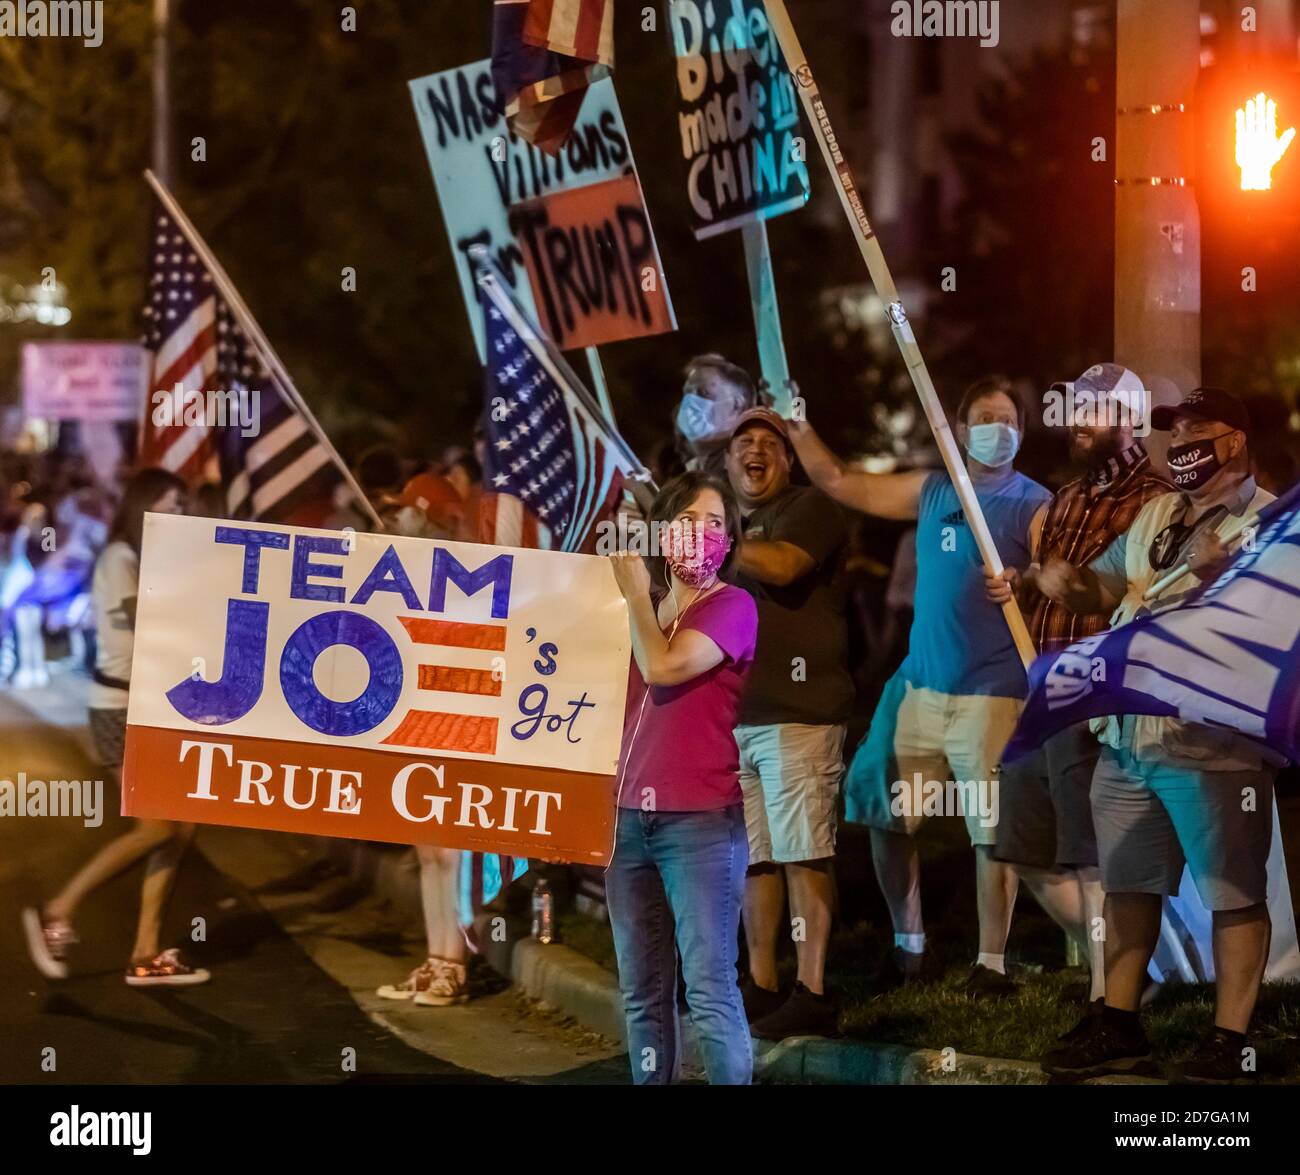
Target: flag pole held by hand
[883,280]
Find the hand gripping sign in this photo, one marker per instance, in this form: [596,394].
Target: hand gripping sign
[376,687]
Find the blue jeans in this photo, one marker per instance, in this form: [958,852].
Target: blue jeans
[679,877]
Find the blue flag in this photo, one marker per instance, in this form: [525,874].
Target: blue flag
[1227,656]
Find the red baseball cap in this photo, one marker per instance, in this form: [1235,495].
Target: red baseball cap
[764,418]
[436,496]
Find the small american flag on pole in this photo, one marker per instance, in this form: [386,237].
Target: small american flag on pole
[554,472]
[546,448]
[545,53]
[222,414]
[283,472]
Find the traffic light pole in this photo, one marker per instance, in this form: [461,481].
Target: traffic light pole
[1157,222]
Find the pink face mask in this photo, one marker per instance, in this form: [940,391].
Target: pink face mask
[695,553]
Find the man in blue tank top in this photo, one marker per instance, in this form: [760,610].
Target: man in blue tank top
[942,722]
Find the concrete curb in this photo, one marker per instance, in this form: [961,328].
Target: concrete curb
[814,1060]
[560,977]
[569,982]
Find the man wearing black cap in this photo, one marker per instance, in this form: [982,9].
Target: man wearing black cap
[792,721]
[1168,792]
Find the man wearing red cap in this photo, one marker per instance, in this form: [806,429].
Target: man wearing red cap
[792,720]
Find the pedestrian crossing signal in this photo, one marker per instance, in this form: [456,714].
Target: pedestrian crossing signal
[1259,145]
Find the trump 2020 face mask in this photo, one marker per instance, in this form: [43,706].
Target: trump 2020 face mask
[993,445]
[1193,464]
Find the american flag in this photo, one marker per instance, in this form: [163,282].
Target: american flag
[544,447]
[181,314]
[551,478]
[545,53]
[280,472]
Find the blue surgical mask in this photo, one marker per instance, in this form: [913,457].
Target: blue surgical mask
[993,445]
[699,418]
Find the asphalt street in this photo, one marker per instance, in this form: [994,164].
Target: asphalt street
[295,952]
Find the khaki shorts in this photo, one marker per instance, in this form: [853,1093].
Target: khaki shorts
[790,775]
[941,756]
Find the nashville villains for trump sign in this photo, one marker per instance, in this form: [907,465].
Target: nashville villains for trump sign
[376,687]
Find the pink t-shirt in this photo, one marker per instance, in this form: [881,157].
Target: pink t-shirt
[684,748]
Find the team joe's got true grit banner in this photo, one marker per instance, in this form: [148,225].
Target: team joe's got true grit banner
[480,169]
[376,687]
[738,117]
[593,264]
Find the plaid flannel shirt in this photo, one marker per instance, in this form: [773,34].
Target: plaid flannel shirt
[1084,517]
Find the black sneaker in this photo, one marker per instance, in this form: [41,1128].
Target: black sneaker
[1101,1047]
[898,968]
[1091,1013]
[986,984]
[1220,1059]
[803,1014]
[759,1002]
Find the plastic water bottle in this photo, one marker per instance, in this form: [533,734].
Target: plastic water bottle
[543,911]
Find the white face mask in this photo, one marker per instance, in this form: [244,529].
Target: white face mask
[700,418]
[993,445]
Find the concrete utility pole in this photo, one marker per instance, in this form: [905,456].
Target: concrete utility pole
[1157,224]
[162,98]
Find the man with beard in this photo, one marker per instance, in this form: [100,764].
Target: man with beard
[1045,826]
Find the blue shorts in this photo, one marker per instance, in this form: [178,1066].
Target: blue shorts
[1152,817]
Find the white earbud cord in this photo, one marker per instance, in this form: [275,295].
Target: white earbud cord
[622,775]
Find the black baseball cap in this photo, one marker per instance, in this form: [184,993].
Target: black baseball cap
[1204,404]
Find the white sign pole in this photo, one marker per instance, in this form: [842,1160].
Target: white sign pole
[874,257]
[772,360]
[598,382]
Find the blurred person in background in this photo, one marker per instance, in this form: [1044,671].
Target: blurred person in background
[715,394]
[48,930]
[430,507]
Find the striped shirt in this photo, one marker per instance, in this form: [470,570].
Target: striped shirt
[1084,518]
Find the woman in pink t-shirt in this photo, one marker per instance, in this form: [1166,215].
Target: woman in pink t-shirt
[677,877]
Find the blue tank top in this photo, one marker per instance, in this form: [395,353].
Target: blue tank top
[960,643]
